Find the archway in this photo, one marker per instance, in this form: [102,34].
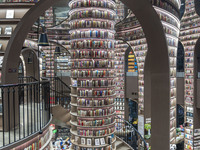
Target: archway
[157,68]
[16,41]
[31,62]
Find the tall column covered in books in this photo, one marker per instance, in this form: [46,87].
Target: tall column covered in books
[92,74]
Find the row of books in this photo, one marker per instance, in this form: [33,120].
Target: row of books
[89,3]
[172,42]
[189,32]
[96,132]
[165,5]
[92,34]
[88,44]
[7,30]
[92,64]
[39,142]
[190,43]
[89,23]
[130,33]
[97,112]
[103,14]
[95,93]
[101,102]
[173,123]
[96,83]
[92,54]
[96,122]
[170,31]
[189,71]
[192,37]
[94,141]
[93,73]
[172,113]
[189,65]
[168,19]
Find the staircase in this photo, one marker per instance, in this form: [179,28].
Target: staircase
[122,145]
[61,116]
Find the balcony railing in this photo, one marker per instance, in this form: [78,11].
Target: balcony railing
[127,132]
[25,110]
[59,92]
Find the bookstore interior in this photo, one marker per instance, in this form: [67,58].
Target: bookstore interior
[99,75]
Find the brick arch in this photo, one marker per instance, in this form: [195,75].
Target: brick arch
[156,71]
[15,43]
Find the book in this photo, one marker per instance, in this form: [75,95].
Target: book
[97,142]
[83,141]
[102,140]
[89,141]
[10,14]
[8,30]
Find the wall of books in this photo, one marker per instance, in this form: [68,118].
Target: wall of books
[133,33]
[10,15]
[93,74]
[189,35]
[120,49]
[120,11]
[41,141]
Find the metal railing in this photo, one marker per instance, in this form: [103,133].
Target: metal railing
[26,79]
[12,1]
[25,110]
[128,133]
[59,92]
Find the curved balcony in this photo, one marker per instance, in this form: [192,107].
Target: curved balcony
[25,112]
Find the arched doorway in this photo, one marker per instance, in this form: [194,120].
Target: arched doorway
[157,68]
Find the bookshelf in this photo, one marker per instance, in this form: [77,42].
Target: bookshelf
[92,74]
[120,49]
[189,35]
[61,64]
[120,11]
[131,30]
[11,13]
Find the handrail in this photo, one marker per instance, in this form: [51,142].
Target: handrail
[134,130]
[47,78]
[31,77]
[21,84]
[63,83]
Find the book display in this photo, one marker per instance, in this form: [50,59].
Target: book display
[120,49]
[47,19]
[132,63]
[43,69]
[189,35]
[41,141]
[61,64]
[120,11]
[49,55]
[92,74]
[133,33]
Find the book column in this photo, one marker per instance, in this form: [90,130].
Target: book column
[92,74]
